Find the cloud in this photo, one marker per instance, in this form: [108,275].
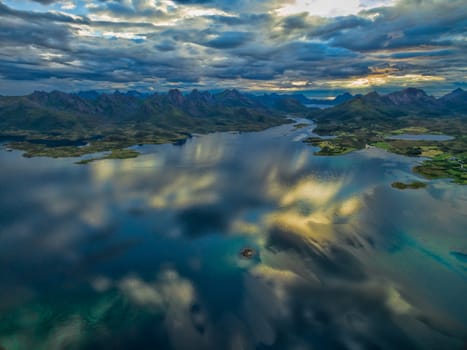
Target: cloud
[193,1]
[409,24]
[228,40]
[8,12]
[46,2]
[247,44]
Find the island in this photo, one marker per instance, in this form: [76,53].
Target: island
[373,120]
[247,252]
[412,185]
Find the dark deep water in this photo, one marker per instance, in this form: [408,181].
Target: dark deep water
[145,253]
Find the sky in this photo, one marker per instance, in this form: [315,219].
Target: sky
[320,47]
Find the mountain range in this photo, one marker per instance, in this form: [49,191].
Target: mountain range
[53,123]
[411,102]
[275,100]
[56,110]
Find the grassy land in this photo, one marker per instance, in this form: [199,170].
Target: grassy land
[448,159]
[59,124]
[328,147]
[411,130]
[301,125]
[115,138]
[108,143]
[445,165]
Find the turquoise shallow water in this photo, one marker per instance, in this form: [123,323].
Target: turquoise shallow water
[145,253]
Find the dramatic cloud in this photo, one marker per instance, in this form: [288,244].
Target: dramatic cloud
[255,45]
[46,2]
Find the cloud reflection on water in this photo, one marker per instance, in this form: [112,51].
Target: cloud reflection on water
[325,230]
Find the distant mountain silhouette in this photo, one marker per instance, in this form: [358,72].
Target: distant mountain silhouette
[297,101]
[172,110]
[410,101]
[51,110]
[456,100]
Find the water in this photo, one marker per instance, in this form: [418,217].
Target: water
[145,253]
[320,106]
[421,137]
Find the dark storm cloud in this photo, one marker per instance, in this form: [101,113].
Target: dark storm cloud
[8,12]
[193,1]
[329,28]
[263,63]
[46,2]
[229,40]
[32,33]
[295,22]
[315,52]
[165,45]
[21,28]
[126,41]
[409,24]
[245,19]
[434,53]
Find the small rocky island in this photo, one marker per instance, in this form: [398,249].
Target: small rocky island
[411,185]
[247,253]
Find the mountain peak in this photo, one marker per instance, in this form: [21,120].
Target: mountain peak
[175,97]
[457,97]
[198,98]
[232,97]
[372,94]
[412,91]
[232,93]
[174,92]
[410,96]
[346,96]
[89,94]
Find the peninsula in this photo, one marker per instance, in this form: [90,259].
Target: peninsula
[375,120]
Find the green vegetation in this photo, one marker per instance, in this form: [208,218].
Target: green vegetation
[412,185]
[414,130]
[445,165]
[448,159]
[382,144]
[371,119]
[301,125]
[117,137]
[328,147]
[111,142]
[57,124]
